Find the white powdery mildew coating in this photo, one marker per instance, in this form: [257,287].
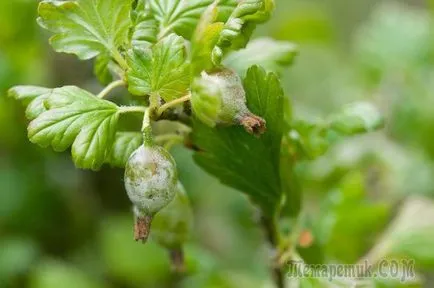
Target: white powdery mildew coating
[150,179]
[232,92]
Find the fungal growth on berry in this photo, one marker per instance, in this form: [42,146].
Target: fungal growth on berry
[218,98]
[150,180]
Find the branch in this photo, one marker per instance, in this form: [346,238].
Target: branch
[272,235]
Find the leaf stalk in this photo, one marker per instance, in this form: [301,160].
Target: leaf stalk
[110,87]
[148,139]
[121,61]
[132,109]
[173,103]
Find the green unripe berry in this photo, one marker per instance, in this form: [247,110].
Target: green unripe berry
[150,181]
[172,226]
[218,98]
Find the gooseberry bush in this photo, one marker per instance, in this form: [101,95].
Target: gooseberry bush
[190,65]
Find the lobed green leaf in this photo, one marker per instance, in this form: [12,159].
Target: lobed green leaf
[240,160]
[31,96]
[161,69]
[357,118]
[124,145]
[76,117]
[270,54]
[145,30]
[204,40]
[102,70]
[86,28]
[240,26]
[182,16]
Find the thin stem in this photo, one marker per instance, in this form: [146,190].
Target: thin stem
[273,238]
[110,87]
[121,61]
[170,140]
[148,139]
[146,120]
[154,100]
[169,137]
[173,103]
[178,266]
[290,243]
[132,109]
[177,260]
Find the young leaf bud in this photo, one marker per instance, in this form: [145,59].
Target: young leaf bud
[219,98]
[150,181]
[173,224]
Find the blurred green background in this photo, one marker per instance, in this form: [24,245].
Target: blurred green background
[368,196]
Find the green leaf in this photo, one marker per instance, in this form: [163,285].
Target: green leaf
[409,235]
[31,96]
[416,245]
[291,186]
[240,26]
[86,28]
[145,30]
[76,117]
[240,160]
[357,118]
[182,16]
[49,273]
[26,94]
[161,70]
[204,40]
[308,140]
[379,48]
[124,145]
[101,69]
[271,54]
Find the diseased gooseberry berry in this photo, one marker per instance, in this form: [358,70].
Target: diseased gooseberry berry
[219,98]
[150,181]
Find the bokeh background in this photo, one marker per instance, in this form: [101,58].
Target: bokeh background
[367,196]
